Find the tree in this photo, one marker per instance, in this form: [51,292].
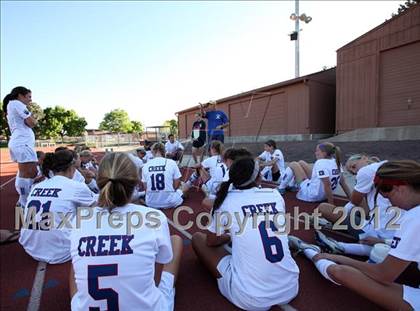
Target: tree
[39,115]
[173,126]
[404,7]
[4,130]
[136,127]
[116,121]
[59,121]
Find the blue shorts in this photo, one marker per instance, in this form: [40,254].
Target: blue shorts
[219,137]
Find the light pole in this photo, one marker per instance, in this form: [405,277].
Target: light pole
[294,36]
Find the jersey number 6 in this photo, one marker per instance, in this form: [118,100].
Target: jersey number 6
[272,255]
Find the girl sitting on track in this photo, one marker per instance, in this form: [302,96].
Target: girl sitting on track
[318,183]
[398,181]
[113,267]
[376,227]
[229,156]
[59,195]
[260,272]
[22,142]
[271,162]
[161,179]
[211,169]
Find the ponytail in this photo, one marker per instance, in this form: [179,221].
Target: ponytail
[46,166]
[332,150]
[217,145]
[117,178]
[59,161]
[242,174]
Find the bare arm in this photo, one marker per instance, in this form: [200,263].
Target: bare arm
[215,240]
[30,122]
[345,186]
[177,183]
[357,198]
[328,191]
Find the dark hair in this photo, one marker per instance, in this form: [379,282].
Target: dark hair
[170,135]
[60,148]
[19,90]
[6,100]
[240,172]
[58,161]
[236,153]
[39,153]
[117,177]
[217,145]
[271,143]
[332,151]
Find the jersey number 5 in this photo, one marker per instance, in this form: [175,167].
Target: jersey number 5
[273,248]
[108,294]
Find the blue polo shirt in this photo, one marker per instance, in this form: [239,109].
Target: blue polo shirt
[215,118]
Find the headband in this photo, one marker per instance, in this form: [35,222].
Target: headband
[389,182]
[253,176]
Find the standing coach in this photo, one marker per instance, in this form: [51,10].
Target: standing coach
[216,121]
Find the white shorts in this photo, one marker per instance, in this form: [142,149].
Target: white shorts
[412,296]
[306,195]
[225,286]
[166,287]
[22,153]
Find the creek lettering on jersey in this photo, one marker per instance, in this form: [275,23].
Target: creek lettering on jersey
[105,245]
[252,209]
[159,168]
[46,192]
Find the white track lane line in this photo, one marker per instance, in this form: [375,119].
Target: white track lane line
[36,293]
[11,179]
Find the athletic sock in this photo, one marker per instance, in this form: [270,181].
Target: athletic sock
[356,249]
[286,178]
[321,264]
[194,176]
[23,187]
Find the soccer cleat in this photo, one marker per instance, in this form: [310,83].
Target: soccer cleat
[329,244]
[282,191]
[299,245]
[293,188]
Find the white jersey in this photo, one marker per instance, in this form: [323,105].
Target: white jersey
[115,268]
[405,244]
[313,189]
[58,195]
[276,155]
[148,156]
[22,134]
[364,184]
[77,176]
[217,171]
[263,270]
[173,147]
[136,160]
[159,175]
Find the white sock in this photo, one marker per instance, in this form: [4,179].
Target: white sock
[23,187]
[322,266]
[286,178]
[356,249]
[192,178]
[310,253]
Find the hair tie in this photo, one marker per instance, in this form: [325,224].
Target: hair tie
[112,180]
[253,176]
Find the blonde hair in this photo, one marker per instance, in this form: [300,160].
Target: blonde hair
[332,151]
[359,156]
[218,146]
[158,147]
[117,177]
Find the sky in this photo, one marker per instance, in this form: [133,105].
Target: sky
[154,58]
